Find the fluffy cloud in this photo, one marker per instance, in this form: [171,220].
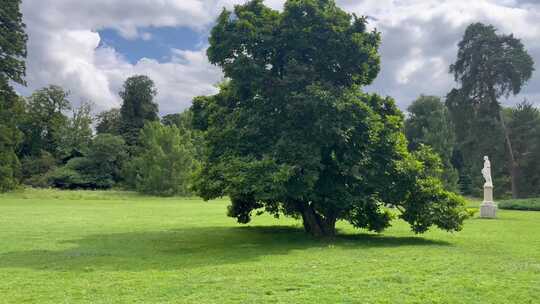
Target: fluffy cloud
[419,42]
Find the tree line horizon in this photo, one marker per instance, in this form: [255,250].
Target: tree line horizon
[290,131]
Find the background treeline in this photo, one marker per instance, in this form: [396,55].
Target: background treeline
[131,147]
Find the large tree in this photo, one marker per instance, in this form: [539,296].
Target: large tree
[12,68]
[45,120]
[138,107]
[488,66]
[429,123]
[291,132]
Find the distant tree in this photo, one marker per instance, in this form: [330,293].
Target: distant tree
[108,122]
[172,119]
[292,134]
[488,66]
[76,137]
[166,162]
[137,108]
[99,169]
[429,123]
[184,122]
[12,67]
[524,132]
[44,120]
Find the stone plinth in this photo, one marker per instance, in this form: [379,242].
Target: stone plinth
[488,209]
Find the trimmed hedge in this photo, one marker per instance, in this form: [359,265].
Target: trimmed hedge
[529,204]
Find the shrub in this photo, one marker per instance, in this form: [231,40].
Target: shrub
[36,169]
[100,169]
[530,204]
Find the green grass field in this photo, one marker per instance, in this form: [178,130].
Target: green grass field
[115,247]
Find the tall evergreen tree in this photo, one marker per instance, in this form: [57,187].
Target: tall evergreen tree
[137,108]
[488,66]
[12,67]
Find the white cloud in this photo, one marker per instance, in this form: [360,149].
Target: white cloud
[419,42]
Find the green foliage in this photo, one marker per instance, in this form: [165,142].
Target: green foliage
[490,65]
[45,120]
[165,163]
[99,169]
[184,122]
[11,109]
[524,131]
[137,107]
[12,67]
[429,123]
[69,177]
[35,169]
[292,134]
[76,136]
[108,122]
[12,42]
[531,204]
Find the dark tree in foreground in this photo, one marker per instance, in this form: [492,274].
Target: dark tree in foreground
[488,66]
[12,67]
[138,106]
[291,133]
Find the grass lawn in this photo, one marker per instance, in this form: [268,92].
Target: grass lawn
[114,247]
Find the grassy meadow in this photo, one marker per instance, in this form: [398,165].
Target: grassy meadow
[119,247]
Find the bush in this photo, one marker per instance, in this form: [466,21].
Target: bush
[36,169]
[100,169]
[530,204]
[67,177]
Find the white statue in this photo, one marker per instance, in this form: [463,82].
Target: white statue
[486,172]
[488,209]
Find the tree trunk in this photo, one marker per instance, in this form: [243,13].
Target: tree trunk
[514,169]
[317,225]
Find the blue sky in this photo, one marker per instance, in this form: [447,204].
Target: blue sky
[91,47]
[154,42]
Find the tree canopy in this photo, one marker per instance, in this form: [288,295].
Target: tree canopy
[138,106]
[13,42]
[12,68]
[292,133]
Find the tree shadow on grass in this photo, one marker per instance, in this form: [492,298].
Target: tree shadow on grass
[189,248]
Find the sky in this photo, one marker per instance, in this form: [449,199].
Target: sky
[91,47]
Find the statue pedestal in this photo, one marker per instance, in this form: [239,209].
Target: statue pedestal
[488,209]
